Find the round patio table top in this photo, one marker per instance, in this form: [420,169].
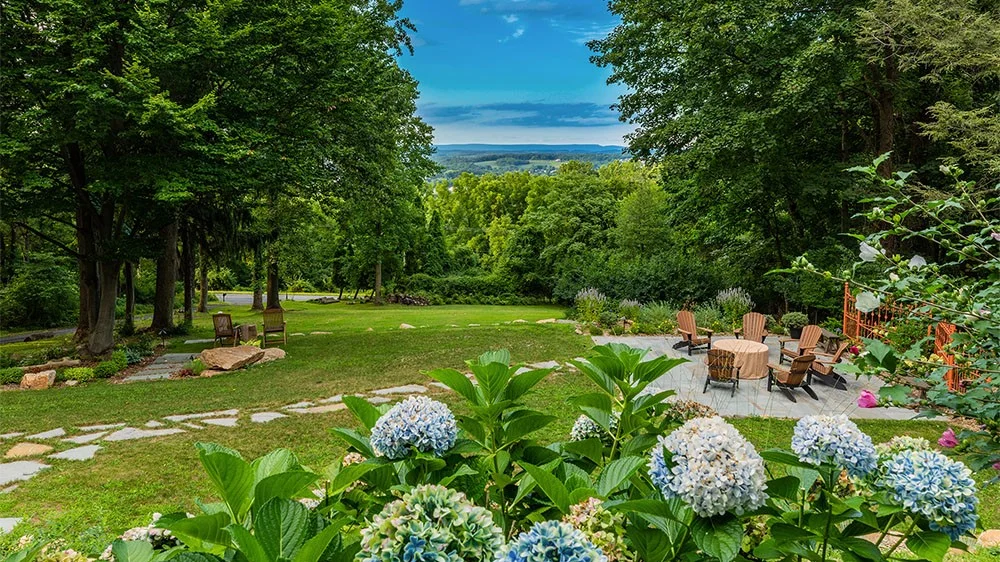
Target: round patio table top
[751,357]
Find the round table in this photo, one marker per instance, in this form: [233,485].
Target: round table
[751,357]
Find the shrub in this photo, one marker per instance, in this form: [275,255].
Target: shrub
[590,304]
[629,308]
[82,374]
[111,367]
[42,293]
[608,318]
[793,320]
[10,375]
[734,302]
[709,316]
[120,360]
[596,330]
[657,318]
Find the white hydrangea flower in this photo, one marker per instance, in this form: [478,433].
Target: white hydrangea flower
[834,440]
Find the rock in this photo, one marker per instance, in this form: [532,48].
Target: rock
[38,381]
[520,321]
[101,427]
[154,423]
[320,333]
[324,300]
[50,434]
[405,326]
[272,354]
[546,321]
[11,435]
[406,389]
[7,524]
[378,400]
[208,373]
[22,450]
[129,433]
[370,330]
[84,453]
[989,539]
[265,417]
[224,422]
[303,404]
[231,358]
[52,365]
[81,439]
[333,399]
[474,325]
[19,470]
[319,409]
[186,417]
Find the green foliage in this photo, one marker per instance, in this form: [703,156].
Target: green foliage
[629,309]
[794,320]
[591,305]
[11,375]
[734,302]
[464,289]
[117,363]
[42,293]
[81,374]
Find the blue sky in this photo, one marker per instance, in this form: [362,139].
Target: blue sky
[512,71]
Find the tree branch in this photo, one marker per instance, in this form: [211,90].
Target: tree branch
[50,240]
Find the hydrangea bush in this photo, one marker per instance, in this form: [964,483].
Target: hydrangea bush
[602,527]
[431,523]
[712,468]
[900,443]
[552,541]
[836,440]
[418,422]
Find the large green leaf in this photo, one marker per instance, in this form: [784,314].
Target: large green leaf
[277,461]
[492,378]
[355,439]
[455,381]
[350,474]
[719,536]
[233,478]
[600,378]
[591,449]
[206,533]
[525,424]
[314,548]
[132,551]
[519,384]
[553,488]
[932,545]
[248,545]
[363,410]
[282,527]
[616,473]
[597,406]
[284,485]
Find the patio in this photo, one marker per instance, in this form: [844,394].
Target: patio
[752,397]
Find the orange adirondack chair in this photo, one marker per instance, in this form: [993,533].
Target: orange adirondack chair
[721,369]
[753,327]
[689,331]
[807,343]
[824,368]
[223,325]
[274,323]
[797,375]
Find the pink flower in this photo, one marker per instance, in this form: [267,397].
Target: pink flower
[867,400]
[855,350]
[948,439]
[996,465]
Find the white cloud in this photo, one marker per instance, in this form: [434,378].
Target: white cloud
[516,35]
[510,18]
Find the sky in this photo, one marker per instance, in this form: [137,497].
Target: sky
[512,71]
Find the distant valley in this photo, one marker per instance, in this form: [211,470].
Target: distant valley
[456,159]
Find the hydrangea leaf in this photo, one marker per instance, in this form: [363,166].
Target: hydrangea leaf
[719,537]
[132,551]
[553,488]
[931,545]
[616,473]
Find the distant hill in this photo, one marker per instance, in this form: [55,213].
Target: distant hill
[543,159]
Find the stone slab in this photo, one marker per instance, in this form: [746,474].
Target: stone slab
[144,376]
[22,450]
[154,423]
[378,400]
[405,389]
[303,404]
[186,417]
[319,409]
[265,417]
[319,333]
[405,326]
[223,422]
[192,425]
[81,439]
[84,453]
[204,340]
[19,470]
[174,358]
[130,433]
[8,489]
[272,354]
[231,358]
[50,434]
[7,524]
[11,435]
[101,427]
[440,385]
[332,399]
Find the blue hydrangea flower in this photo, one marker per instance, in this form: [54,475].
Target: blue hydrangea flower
[714,469]
[930,484]
[552,541]
[834,440]
[431,524]
[417,422]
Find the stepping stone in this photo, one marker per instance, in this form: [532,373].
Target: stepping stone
[154,423]
[19,470]
[378,400]
[84,453]
[224,422]
[519,321]
[440,385]
[264,417]
[81,439]
[51,434]
[546,321]
[7,524]
[296,334]
[337,398]
[185,417]
[8,489]
[405,326]
[101,427]
[319,409]
[10,435]
[545,365]
[319,333]
[143,376]
[303,404]
[200,341]
[406,389]
[193,425]
[474,325]
[174,358]
[129,433]
[27,450]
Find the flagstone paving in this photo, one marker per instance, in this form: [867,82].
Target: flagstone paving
[7,524]
[51,434]
[264,417]
[224,422]
[84,453]
[101,427]
[129,433]
[407,389]
[186,417]
[86,438]
[19,470]
[164,366]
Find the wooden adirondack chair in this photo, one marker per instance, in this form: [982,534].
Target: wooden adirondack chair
[824,368]
[274,323]
[807,343]
[689,331]
[797,375]
[721,369]
[753,327]
[223,325]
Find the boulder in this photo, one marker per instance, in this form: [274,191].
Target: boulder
[38,381]
[27,450]
[52,365]
[211,373]
[272,354]
[546,321]
[989,539]
[231,358]
[405,326]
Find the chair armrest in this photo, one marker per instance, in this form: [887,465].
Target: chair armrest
[706,330]
[783,341]
[737,332]
[684,332]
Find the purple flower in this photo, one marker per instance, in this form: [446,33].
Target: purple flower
[867,399]
[948,439]
[996,465]
[996,236]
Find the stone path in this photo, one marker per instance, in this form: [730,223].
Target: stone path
[162,367]
[752,397]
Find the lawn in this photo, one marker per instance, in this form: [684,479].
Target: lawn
[88,503]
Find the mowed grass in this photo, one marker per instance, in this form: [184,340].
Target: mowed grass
[89,503]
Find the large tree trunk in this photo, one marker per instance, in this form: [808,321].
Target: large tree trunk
[273,288]
[102,334]
[129,296]
[258,280]
[89,293]
[203,281]
[378,282]
[166,280]
[187,269]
